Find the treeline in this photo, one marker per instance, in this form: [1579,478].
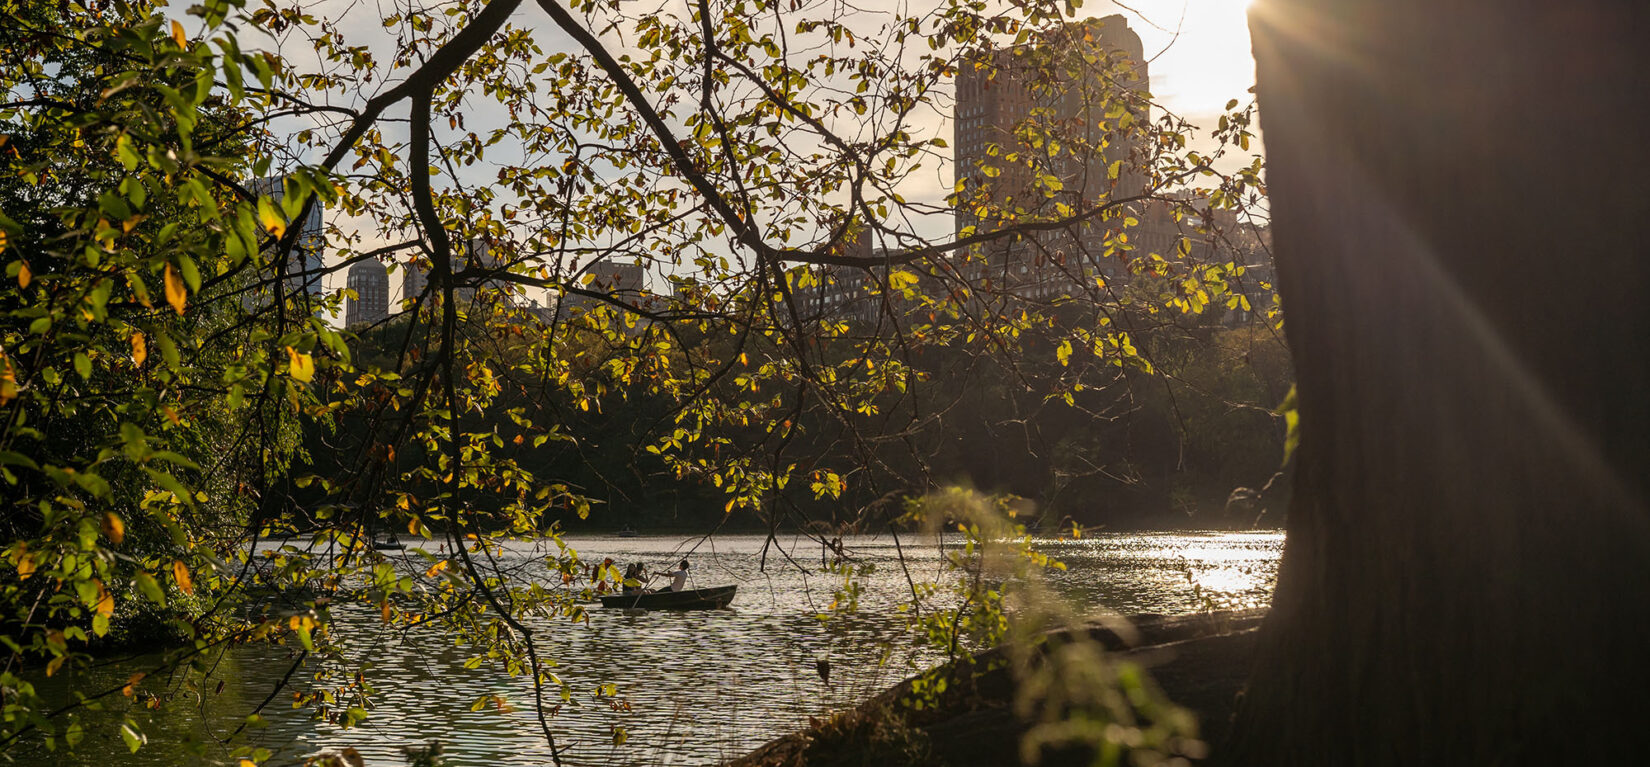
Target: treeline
[1109,446]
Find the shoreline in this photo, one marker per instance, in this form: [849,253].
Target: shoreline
[1199,662]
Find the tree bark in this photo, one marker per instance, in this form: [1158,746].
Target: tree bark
[1459,193]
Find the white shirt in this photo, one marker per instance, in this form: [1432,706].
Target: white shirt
[678,580]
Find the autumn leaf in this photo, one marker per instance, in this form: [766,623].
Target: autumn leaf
[8,381]
[178,36]
[301,367]
[105,601]
[180,572]
[140,349]
[113,527]
[24,276]
[175,292]
[270,217]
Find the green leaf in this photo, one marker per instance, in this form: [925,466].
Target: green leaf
[151,588]
[134,739]
[171,483]
[9,458]
[1290,410]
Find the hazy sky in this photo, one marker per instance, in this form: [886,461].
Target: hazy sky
[1198,51]
[1207,63]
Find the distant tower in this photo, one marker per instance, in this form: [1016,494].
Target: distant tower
[371,283]
[1087,101]
[415,277]
[624,281]
[303,267]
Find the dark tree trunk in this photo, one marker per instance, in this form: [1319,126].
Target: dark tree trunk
[1460,202]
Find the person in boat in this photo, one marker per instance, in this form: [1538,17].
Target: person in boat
[678,579]
[635,574]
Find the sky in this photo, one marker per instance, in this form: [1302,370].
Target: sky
[1198,51]
[1201,49]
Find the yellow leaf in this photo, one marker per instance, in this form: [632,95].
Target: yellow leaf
[140,349]
[177,34]
[270,217]
[301,367]
[105,601]
[25,566]
[131,684]
[24,276]
[436,569]
[180,572]
[899,279]
[175,292]
[8,381]
[245,762]
[113,527]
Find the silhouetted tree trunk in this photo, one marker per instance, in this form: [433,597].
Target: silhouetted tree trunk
[1460,205]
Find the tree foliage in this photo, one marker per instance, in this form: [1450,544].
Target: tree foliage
[185,428]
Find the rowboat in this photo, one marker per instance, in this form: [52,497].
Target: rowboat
[693,599]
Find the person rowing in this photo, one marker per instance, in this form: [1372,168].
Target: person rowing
[678,579]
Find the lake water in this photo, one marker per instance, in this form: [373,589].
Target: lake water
[690,688]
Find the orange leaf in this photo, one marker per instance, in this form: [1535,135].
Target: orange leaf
[177,34]
[8,381]
[180,572]
[24,275]
[131,684]
[436,569]
[176,295]
[140,349]
[105,601]
[113,527]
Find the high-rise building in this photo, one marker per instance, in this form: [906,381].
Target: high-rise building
[1045,130]
[838,292]
[302,268]
[415,275]
[624,281]
[371,304]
